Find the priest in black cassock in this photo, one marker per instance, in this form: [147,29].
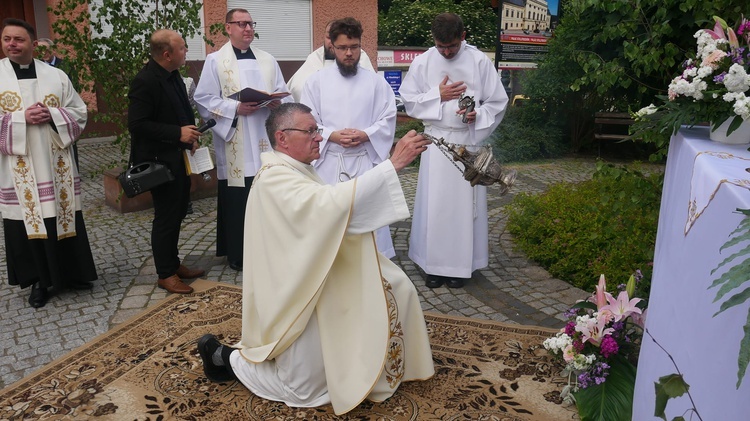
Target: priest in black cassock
[41,116]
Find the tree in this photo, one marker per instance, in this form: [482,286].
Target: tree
[107,64]
[620,54]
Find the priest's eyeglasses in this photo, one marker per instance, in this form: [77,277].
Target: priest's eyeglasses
[311,132]
[346,48]
[243,24]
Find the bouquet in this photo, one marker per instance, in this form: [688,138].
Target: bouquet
[712,86]
[599,346]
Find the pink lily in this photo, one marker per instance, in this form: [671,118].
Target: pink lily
[601,290]
[718,31]
[732,37]
[593,330]
[621,307]
[714,57]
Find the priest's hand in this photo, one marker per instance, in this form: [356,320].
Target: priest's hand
[247,108]
[273,104]
[451,91]
[407,149]
[37,114]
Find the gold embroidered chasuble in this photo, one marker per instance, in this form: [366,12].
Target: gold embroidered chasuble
[37,176]
[301,259]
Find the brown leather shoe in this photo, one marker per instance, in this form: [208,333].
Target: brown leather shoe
[185,273]
[175,285]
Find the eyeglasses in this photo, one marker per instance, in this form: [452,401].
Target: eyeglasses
[243,24]
[452,47]
[345,48]
[311,132]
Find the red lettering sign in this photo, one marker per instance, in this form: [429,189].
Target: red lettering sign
[405,56]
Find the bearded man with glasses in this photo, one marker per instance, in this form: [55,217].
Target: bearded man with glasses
[238,135]
[449,232]
[356,109]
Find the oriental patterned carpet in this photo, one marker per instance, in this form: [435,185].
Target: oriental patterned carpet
[149,369]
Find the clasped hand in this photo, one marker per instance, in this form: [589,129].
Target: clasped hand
[349,138]
[37,114]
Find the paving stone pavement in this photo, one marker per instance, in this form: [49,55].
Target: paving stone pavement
[512,289]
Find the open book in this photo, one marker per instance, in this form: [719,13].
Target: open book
[254,95]
[200,162]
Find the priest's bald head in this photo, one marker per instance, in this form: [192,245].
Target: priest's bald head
[18,40]
[168,49]
[292,130]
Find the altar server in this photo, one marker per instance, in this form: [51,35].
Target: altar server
[41,116]
[449,233]
[356,109]
[322,57]
[239,138]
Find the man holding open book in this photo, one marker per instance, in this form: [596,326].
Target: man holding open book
[239,137]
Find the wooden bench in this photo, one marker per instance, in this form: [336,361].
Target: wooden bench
[611,126]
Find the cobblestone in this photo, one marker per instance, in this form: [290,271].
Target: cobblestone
[511,289]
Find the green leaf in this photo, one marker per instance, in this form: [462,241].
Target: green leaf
[734,300]
[744,357]
[584,304]
[668,387]
[611,400]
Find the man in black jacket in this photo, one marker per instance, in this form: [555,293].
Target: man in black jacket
[161,125]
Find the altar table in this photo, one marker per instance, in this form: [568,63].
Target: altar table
[705,182]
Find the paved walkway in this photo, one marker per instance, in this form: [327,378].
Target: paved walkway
[511,289]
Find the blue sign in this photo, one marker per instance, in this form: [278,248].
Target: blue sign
[393,77]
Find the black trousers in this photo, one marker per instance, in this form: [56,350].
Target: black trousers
[230,219]
[170,207]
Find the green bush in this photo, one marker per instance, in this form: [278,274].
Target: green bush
[525,134]
[604,225]
[403,128]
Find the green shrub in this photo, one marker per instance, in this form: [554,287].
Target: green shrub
[525,134]
[404,127]
[604,225]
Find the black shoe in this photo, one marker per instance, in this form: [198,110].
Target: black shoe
[81,285]
[189,208]
[207,345]
[434,281]
[236,265]
[38,297]
[455,283]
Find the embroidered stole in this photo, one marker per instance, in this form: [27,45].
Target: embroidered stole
[16,145]
[229,78]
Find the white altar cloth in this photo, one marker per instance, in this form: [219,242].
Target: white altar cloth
[704,183]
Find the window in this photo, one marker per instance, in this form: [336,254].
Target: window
[284,26]
[196,45]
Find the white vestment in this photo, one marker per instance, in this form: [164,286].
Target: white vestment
[325,317]
[316,61]
[449,234]
[365,102]
[38,177]
[237,148]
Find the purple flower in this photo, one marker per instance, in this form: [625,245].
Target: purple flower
[609,346]
[570,329]
[638,275]
[597,374]
[720,78]
[578,345]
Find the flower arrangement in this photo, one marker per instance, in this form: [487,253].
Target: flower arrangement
[599,346]
[712,86]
